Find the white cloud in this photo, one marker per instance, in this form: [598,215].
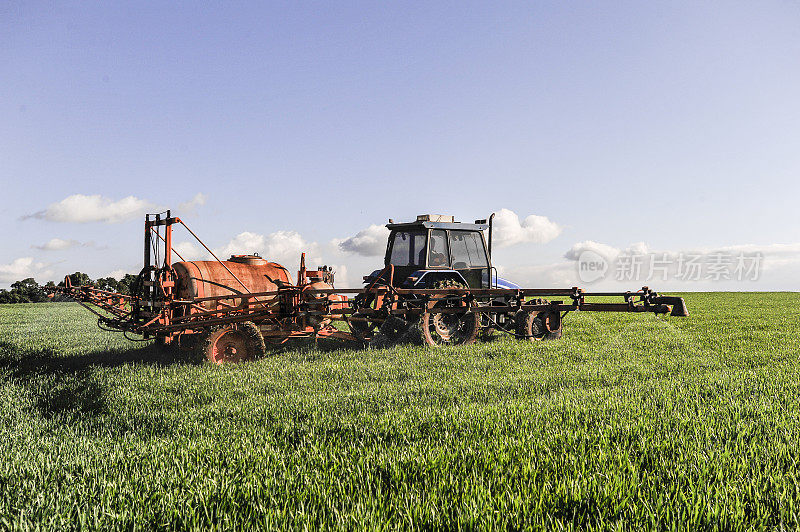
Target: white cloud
[604,250]
[508,230]
[117,274]
[190,251]
[283,247]
[57,244]
[553,275]
[79,208]
[190,207]
[22,268]
[370,242]
[609,252]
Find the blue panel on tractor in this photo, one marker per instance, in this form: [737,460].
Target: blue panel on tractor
[499,282]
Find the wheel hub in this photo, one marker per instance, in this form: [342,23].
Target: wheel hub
[445,325]
[230,347]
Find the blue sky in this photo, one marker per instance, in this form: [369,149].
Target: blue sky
[302,124]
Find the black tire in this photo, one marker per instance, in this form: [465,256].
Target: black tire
[535,326]
[252,331]
[238,342]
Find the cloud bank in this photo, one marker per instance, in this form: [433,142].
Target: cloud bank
[283,247]
[508,230]
[369,242]
[22,268]
[191,206]
[57,244]
[79,208]
[190,251]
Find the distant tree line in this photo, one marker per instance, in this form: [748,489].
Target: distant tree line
[29,291]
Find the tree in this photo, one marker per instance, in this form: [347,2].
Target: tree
[109,284]
[9,297]
[78,279]
[25,291]
[29,291]
[126,282]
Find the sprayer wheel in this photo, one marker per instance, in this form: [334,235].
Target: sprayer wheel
[535,326]
[232,343]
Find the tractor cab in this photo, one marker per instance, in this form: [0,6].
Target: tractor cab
[437,248]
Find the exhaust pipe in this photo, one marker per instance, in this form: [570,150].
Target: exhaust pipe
[491,219]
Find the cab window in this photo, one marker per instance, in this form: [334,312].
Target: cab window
[466,250]
[408,248]
[437,250]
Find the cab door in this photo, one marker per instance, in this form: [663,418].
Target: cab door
[468,256]
[406,252]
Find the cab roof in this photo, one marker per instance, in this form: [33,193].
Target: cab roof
[424,224]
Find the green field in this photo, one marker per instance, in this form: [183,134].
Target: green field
[629,421]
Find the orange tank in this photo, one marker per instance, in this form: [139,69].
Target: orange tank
[202,278]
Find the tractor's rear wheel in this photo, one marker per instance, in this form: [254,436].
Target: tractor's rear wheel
[439,328]
[533,326]
[232,343]
[458,327]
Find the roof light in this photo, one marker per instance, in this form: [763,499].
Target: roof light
[435,218]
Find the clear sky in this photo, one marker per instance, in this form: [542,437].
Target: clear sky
[672,124]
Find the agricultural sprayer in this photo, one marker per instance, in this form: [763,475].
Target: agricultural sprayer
[437,286]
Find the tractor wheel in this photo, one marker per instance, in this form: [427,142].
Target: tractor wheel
[534,326]
[232,343]
[445,328]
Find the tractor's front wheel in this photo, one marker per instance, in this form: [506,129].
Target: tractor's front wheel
[232,343]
